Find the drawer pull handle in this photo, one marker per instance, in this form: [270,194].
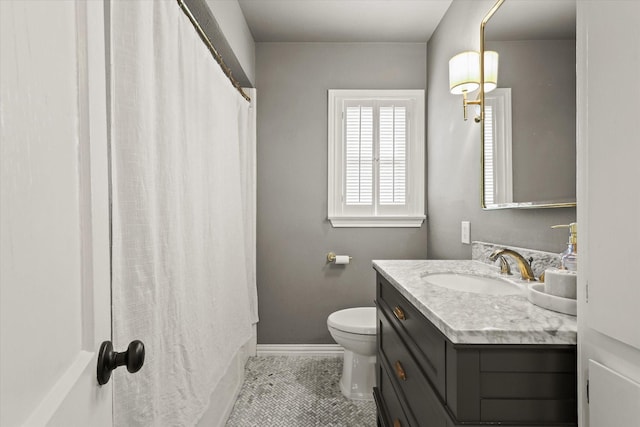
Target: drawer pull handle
[400,371]
[396,423]
[397,311]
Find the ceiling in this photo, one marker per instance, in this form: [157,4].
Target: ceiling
[343,20]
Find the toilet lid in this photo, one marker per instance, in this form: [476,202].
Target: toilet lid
[359,320]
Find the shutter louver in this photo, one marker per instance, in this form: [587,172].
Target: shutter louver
[393,155]
[489,161]
[359,155]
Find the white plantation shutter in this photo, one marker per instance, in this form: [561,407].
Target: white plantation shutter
[376,158]
[498,164]
[393,155]
[489,170]
[359,155]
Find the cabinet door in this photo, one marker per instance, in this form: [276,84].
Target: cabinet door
[608,56]
[615,399]
[613,150]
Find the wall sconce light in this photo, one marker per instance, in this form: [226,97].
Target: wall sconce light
[464,75]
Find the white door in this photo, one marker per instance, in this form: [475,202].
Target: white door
[608,67]
[54,290]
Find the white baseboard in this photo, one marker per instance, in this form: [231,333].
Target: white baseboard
[299,350]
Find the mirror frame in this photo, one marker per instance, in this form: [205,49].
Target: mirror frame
[514,205]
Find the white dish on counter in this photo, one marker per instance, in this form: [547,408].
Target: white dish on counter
[537,296]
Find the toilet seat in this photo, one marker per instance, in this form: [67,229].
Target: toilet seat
[359,320]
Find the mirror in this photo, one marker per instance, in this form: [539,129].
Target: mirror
[529,121]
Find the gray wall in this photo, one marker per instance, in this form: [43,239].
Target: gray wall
[236,31]
[453,157]
[542,78]
[225,26]
[297,290]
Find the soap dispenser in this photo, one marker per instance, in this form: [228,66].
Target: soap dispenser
[569,258]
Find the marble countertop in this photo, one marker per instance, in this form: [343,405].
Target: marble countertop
[472,318]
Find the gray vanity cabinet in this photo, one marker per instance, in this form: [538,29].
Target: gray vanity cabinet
[423,379]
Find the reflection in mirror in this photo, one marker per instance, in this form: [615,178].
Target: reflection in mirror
[529,130]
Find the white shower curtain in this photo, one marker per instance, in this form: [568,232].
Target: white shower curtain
[183,185]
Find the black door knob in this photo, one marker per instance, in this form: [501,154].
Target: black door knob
[108,360]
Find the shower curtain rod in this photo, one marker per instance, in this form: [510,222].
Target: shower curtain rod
[212,49]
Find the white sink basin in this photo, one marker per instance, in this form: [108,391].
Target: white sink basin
[475,284]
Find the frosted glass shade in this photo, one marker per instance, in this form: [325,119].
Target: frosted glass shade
[490,70]
[464,72]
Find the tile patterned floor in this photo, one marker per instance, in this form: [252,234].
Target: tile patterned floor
[282,391]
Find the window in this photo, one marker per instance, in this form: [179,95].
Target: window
[498,169]
[376,158]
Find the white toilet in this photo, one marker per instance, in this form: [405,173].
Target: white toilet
[355,330]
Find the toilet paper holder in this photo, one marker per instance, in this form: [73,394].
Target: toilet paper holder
[331,257]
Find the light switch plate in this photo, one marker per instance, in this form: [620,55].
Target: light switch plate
[465,235]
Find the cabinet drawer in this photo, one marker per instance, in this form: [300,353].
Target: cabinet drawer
[424,340]
[525,384]
[413,388]
[394,415]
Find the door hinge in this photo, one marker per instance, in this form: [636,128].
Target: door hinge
[587,391]
[587,292]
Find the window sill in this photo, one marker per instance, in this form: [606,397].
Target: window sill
[381,221]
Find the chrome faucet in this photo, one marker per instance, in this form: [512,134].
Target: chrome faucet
[523,264]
